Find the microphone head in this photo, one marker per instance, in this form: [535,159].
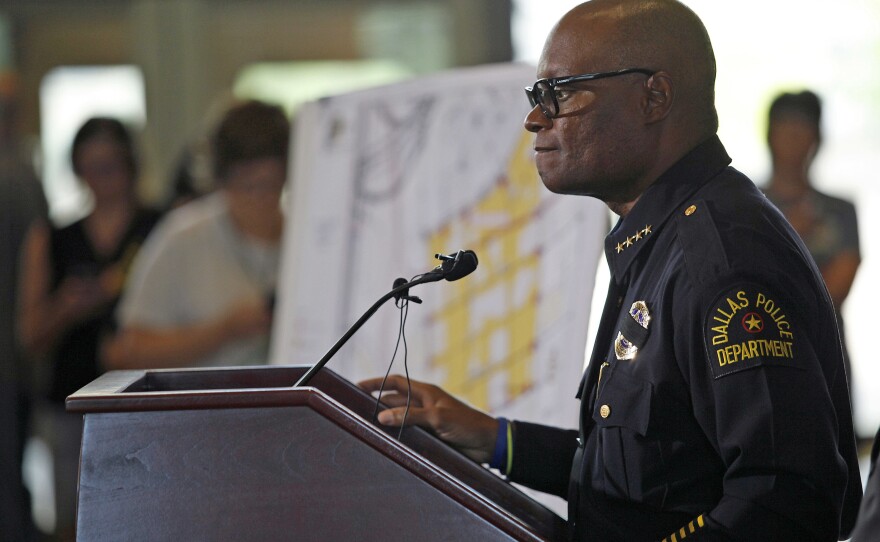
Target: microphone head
[463,264]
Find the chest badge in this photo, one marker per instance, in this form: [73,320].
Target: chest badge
[632,331]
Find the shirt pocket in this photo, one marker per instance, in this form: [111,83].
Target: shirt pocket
[629,461]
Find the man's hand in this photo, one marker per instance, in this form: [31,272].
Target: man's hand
[470,431]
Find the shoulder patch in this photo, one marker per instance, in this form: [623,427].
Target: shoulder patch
[747,326]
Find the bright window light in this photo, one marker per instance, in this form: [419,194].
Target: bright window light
[290,84]
[69,96]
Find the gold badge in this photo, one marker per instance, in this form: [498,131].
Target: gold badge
[627,348]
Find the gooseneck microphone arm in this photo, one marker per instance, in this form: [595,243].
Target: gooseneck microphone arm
[452,267]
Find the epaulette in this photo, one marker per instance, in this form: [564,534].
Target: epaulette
[704,253]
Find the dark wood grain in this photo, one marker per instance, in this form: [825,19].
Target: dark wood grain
[238,454]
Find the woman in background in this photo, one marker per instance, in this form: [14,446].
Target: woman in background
[71,280]
[827,224]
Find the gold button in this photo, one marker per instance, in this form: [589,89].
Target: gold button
[690,210]
[604,411]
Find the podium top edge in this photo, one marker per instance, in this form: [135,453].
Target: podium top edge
[139,389]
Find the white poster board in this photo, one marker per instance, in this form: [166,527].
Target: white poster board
[385,178]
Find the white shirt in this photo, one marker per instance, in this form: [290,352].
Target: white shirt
[194,266]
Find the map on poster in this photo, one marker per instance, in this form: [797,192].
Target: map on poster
[385,178]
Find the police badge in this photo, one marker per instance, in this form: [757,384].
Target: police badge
[633,331]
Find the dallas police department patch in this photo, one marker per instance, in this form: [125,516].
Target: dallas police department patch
[748,326]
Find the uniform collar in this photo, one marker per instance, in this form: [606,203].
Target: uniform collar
[661,199]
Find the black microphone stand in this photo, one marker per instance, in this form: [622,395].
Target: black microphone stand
[401,291]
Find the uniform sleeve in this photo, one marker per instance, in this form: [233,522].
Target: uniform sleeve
[542,457]
[762,375]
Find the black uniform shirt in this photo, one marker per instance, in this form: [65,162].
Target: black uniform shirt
[715,404]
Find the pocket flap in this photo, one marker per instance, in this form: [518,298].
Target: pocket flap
[624,402]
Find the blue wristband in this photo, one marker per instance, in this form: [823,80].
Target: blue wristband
[499,454]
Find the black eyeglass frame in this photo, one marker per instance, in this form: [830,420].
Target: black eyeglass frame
[552,83]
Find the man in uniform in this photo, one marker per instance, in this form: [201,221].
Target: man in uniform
[715,403]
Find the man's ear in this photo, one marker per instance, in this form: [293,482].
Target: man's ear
[659,97]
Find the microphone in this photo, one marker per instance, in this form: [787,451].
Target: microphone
[459,265]
[452,267]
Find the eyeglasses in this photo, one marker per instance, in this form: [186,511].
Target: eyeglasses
[545,94]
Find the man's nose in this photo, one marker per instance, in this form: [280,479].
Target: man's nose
[536,120]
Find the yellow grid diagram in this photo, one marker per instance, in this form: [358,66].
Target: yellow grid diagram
[489,323]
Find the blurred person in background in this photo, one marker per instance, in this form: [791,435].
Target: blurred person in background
[202,290]
[21,202]
[71,278]
[868,525]
[191,177]
[827,224]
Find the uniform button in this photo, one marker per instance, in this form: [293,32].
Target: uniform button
[604,411]
[690,210]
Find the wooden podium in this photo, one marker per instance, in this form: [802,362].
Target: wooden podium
[240,454]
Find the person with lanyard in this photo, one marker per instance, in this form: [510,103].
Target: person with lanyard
[201,292]
[715,403]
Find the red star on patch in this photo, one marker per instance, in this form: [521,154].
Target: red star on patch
[753,323]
